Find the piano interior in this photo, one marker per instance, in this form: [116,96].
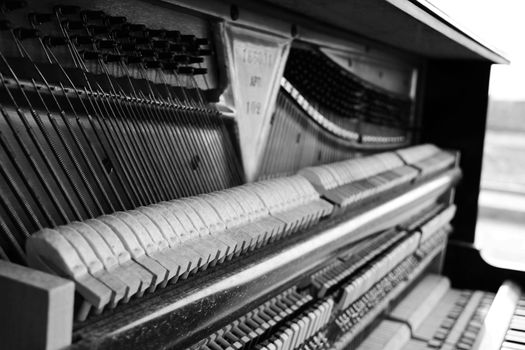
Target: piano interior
[256,175]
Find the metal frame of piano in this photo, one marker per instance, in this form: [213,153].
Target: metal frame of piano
[450,97]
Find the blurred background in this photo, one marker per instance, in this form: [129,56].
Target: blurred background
[500,232]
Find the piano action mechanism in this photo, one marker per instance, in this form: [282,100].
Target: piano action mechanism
[209,175]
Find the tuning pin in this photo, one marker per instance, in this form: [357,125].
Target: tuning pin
[200,71]
[128,47]
[157,33]
[54,40]
[134,27]
[97,30]
[165,55]
[106,44]
[152,64]
[141,40]
[114,20]
[180,58]
[185,70]
[190,39]
[73,25]
[203,52]
[11,5]
[195,59]
[113,58]
[170,66]
[202,41]
[120,34]
[134,59]
[147,52]
[26,33]
[91,55]
[82,39]
[66,9]
[177,47]
[160,44]
[88,15]
[39,18]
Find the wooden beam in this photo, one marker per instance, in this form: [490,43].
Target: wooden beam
[36,308]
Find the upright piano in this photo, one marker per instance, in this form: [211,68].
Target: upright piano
[217,174]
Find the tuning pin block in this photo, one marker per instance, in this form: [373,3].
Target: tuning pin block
[54,41]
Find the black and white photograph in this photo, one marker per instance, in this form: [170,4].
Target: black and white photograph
[262,174]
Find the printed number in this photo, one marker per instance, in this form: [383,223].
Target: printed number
[259,57]
[253,107]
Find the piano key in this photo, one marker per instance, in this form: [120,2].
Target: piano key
[421,301]
[516,336]
[507,345]
[387,335]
